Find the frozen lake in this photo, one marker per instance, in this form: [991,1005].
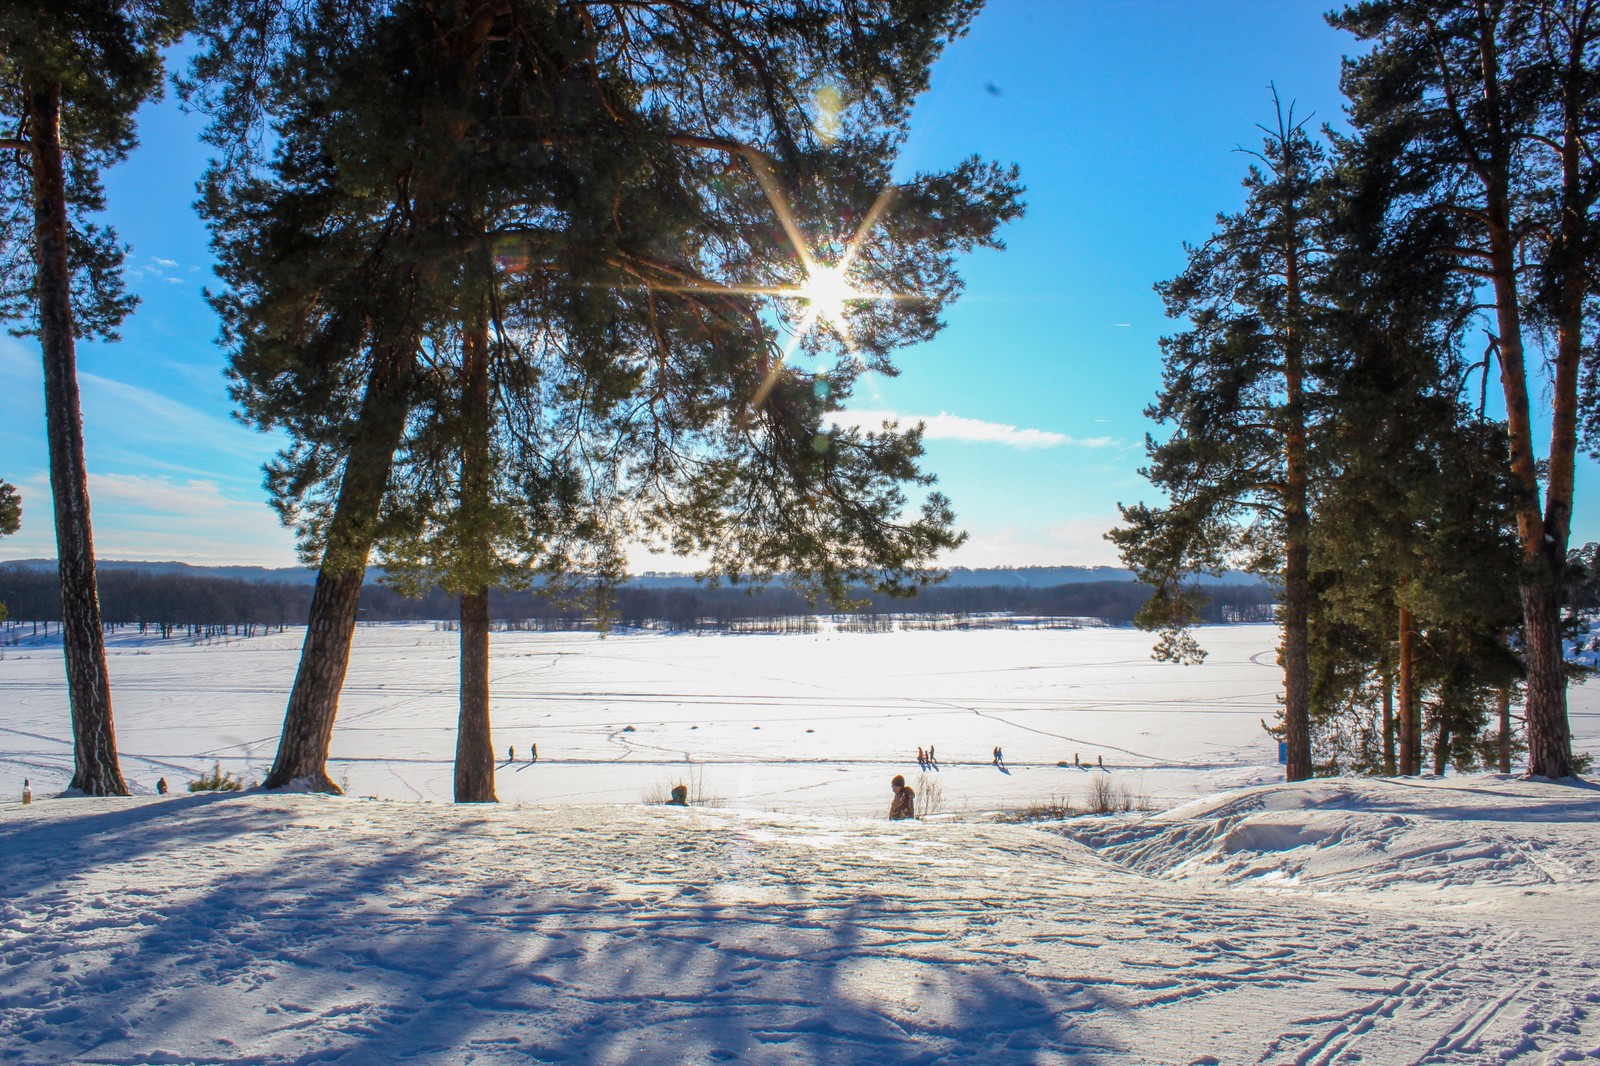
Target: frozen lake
[803,723]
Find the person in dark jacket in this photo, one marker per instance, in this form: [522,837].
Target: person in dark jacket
[904,804]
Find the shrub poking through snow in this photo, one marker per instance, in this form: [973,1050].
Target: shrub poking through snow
[1047,810]
[1111,797]
[218,780]
[930,795]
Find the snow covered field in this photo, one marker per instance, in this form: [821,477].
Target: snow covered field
[811,724]
[799,723]
[1340,921]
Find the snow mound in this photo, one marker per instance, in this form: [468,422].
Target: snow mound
[1463,841]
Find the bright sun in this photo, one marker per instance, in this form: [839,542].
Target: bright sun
[827,290]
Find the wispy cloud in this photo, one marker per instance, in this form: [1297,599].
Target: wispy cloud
[1071,542]
[153,268]
[163,418]
[946,426]
[157,518]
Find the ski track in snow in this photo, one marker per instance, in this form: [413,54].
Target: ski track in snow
[304,929]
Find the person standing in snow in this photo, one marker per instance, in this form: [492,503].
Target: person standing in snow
[533,753]
[511,754]
[161,786]
[904,803]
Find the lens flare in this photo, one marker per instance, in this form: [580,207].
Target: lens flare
[826,291]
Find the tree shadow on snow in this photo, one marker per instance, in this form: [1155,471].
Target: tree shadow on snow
[308,939]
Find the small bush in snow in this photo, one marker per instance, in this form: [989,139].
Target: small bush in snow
[1109,797]
[1049,810]
[930,795]
[218,780]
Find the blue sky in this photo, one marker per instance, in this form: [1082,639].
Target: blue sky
[1125,117]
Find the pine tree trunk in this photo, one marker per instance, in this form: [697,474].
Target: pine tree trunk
[1297,538]
[1545,709]
[1549,729]
[1296,662]
[474,745]
[1388,725]
[94,738]
[1505,730]
[1441,744]
[330,628]
[1410,742]
[1543,547]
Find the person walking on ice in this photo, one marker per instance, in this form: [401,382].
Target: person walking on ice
[904,803]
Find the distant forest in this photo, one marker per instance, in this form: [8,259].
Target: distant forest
[184,604]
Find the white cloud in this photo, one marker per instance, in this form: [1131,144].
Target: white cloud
[158,261]
[158,519]
[1072,542]
[946,426]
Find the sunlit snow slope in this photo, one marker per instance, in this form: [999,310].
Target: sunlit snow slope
[1331,922]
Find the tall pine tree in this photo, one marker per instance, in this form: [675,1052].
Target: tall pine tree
[72,74]
[1237,391]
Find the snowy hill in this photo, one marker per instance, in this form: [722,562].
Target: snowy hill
[1331,922]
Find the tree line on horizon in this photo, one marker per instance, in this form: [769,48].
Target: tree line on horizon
[171,605]
[1326,395]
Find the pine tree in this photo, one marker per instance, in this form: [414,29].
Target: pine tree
[10,509]
[1236,389]
[1489,106]
[594,230]
[72,74]
[10,519]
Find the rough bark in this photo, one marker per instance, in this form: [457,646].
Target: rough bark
[1505,730]
[330,627]
[94,740]
[474,744]
[1549,738]
[1410,741]
[1388,725]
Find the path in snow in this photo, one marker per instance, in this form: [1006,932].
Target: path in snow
[300,929]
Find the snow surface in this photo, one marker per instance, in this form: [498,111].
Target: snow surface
[1331,922]
[1335,921]
[808,723]
[814,724]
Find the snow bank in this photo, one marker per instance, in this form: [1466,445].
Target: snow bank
[1480,841]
